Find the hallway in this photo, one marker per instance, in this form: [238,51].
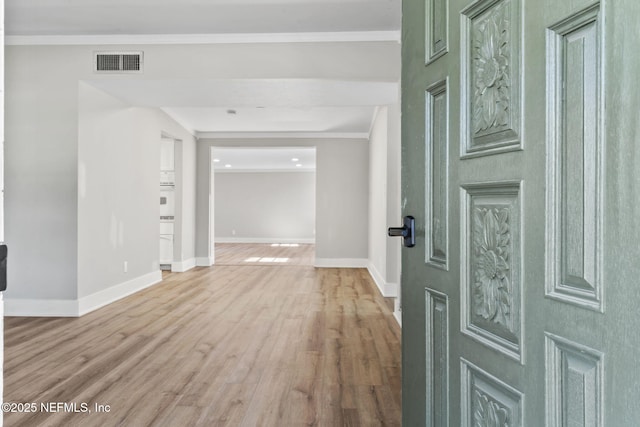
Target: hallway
[279,345]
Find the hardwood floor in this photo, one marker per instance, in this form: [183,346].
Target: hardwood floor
[224,346]
[264,254]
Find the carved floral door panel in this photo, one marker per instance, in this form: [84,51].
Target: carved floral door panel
[520,124]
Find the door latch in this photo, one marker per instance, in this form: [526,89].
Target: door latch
[407,231]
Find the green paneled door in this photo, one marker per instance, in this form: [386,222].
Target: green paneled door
[521,154]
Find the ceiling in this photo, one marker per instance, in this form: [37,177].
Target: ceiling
[300,106]
[335,100]
[275,159]
[83,17]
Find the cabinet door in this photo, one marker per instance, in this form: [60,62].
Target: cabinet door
[166,249]
[167,155]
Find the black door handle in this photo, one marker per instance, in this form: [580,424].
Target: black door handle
[407,231]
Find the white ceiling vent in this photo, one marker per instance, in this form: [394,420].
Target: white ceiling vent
[118,62]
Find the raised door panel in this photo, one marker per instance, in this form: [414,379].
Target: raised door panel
[436,29]
[437,175]
[575,160]
[491,80]
[491,283]
[437,358]
[488,401]
[574,392]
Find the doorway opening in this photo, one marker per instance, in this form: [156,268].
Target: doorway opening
[264,205]
[167,202]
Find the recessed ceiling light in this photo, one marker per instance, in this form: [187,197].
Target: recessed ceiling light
[295,159]
[227,165]
[216,160]
[298,165]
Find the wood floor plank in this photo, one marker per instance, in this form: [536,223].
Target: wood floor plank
[243,344]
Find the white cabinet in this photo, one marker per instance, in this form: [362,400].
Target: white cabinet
[166,249]
[167,201]
[167,205]
[167,162]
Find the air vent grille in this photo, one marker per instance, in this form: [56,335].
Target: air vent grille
[118,62]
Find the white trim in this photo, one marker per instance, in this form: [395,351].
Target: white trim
[388,290]
[391,290]
[398,316]
[376,111]
[341,263]
[282,135]
[272,240]
[182,266]
[204,261]
[82,306]
[114,293]
[257,170]
[40,307]
[234,38]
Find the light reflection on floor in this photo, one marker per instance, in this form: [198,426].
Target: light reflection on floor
[264,254]
[266,259]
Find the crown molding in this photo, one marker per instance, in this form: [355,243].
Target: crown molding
[170,39]
[282,135]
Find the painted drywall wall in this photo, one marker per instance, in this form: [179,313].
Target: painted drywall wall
[265,206]
[41,132]
[118,174]
[42,185]
[394,195]
[342,224]
[185,223]
[342,195]
[378,197]
[356,61]
[205,183]
[384,199]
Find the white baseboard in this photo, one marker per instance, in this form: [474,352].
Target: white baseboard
[40,307]
[263,240]
[82,306]
[107,296]
[204,261]
[182,266]
[341,263]
[398,317]
[388,290]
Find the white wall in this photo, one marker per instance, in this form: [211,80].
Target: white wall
[118,169]
[342,223]
[41,131]
[48,225]
[394,205]
[342,196]
[184,251]
[384,199]
[265,206]
[205,183]
[378,198]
